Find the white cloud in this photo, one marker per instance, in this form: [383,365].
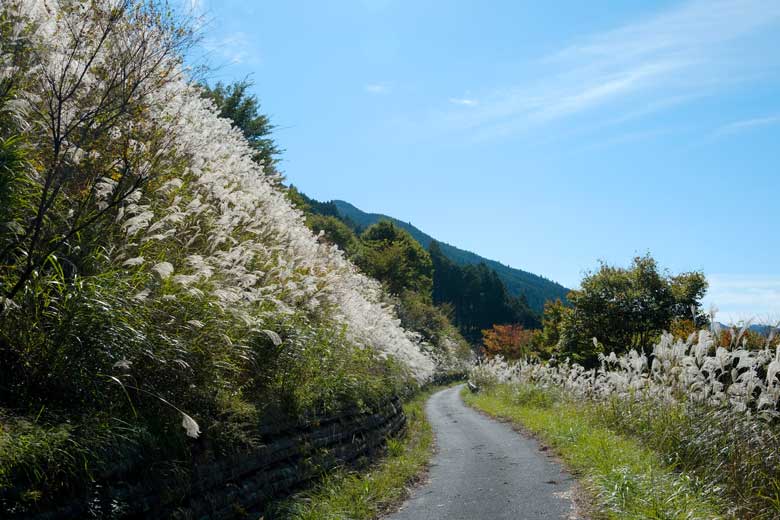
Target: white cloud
[233,48]
[680,53]
[691,28]
[377,88]
[468,102]
[744,297]
[747,124]
[605,88]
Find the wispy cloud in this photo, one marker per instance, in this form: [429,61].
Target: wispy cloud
[743,297]
[377,88]
[195,9]
[234,48]
[629,137]
[603,89]
[468,102]
[679,53]
[747,124]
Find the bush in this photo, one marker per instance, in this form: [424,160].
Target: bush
[624,309]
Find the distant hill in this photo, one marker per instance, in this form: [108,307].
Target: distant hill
[764,330]
[536,289]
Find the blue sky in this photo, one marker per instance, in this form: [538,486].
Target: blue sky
[545,135]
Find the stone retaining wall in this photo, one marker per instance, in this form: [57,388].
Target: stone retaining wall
[292,453]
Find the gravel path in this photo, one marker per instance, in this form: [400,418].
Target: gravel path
[485,470]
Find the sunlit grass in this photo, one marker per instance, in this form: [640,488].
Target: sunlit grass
[625,478]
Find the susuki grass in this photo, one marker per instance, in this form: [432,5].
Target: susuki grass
[156,284]
[624,476]
[709,412]
[364,494]
[737,458]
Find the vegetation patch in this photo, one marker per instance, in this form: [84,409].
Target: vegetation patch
[626,479]
[360,494]
[162,300]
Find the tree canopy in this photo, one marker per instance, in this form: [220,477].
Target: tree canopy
[478,296]
[623,309]
[334,231]
[392,256]
[509,341]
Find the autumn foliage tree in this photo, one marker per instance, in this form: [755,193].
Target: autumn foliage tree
[734,338]
[509,341]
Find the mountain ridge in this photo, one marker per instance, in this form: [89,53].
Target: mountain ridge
[535,288]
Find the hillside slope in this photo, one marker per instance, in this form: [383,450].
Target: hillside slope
[536,289]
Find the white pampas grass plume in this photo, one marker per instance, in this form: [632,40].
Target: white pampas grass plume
[124,364]
[164,269]
[273,336]
[190,426]
[141,296]
[138,260]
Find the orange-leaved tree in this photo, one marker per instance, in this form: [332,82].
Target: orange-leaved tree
[510,341]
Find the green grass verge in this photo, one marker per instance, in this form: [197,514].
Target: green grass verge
[350,494]
[626,479]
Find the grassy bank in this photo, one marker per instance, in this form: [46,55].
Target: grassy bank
[162,300]
[362,494]
[625,477]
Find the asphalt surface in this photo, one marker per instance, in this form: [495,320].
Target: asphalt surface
[485,470]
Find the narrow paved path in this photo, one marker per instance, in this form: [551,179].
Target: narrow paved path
[485,470]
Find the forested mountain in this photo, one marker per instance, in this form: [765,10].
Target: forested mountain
[478,297]
[535,288]
[473,296]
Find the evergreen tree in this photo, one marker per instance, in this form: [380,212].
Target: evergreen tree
[392,256]
[477,295]
[234,102]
